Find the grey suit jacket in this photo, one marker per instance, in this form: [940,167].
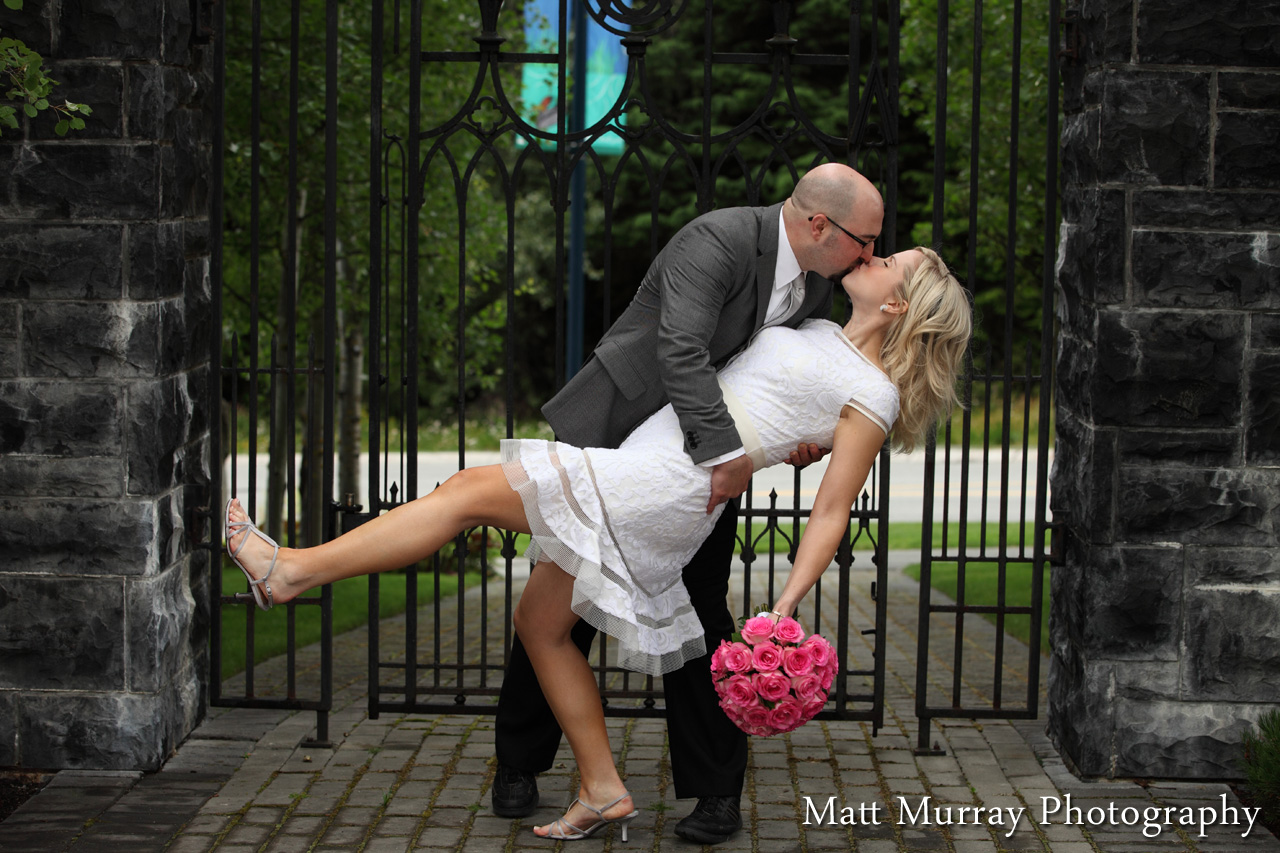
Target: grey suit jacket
[702,299]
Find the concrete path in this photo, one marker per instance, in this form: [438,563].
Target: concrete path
[243,781]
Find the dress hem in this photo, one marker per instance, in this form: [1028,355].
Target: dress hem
[590,576]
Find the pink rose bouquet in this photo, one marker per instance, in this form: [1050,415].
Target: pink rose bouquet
[770,677]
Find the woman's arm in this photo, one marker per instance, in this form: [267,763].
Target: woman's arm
[857,442]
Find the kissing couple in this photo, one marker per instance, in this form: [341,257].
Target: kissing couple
[725,362]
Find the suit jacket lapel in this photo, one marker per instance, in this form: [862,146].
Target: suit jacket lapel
[766,261]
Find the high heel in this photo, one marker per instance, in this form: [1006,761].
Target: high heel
[576,834]
[259,590]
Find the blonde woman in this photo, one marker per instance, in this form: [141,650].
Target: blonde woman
[612,529]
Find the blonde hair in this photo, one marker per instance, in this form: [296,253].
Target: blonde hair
[923,351]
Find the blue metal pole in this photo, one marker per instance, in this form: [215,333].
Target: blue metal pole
[576,308]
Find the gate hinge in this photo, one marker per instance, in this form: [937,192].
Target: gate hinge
[202,18]
[1072,37]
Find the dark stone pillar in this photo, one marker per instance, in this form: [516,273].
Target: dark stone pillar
[1166,616]
[104,298]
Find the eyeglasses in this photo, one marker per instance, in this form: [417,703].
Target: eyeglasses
[863,243]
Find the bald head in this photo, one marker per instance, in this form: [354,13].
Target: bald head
[833,219]
[837,190]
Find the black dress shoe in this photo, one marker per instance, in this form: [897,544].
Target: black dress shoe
[712,820]
[515,793]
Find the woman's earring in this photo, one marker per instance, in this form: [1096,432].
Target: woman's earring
[884,307]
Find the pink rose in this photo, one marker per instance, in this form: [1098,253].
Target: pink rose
[797,661]
[786,715]
[757,629]
[739,690]
[812,707]
[717,657]
[756,718]
[736,657]
[819,649]
[828,675]
[808,687]
[766,657]
[771,685]
[788,631]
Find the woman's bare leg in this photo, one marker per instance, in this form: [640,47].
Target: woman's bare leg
[401,537]
[543,619]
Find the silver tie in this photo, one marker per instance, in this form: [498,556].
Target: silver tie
[791,302]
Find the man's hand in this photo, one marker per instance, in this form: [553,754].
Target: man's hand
[728,480]
[806,454]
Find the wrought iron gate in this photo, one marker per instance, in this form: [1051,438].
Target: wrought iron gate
[501,236]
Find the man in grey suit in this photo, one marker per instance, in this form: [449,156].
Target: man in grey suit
[722,278]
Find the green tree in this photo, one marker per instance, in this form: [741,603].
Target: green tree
[979,154]
[31,87]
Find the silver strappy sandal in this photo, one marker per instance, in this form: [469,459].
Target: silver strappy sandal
[259,590]
[576,834]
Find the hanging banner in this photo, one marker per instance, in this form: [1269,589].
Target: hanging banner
[606,73]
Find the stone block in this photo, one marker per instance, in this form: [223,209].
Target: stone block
[1262,411]
[87,339]
[155,93]
[1080,147]
[1107,26]
[62,477]
[160,612]
[195,237]
[10,356]
[1207,271]
[1154,128]
[1230,211]
[1233,566]
[155,430]
[112,29]
[1244,90]
[1231,507]
[1149,680]
[106,731]
[1196,448]
[1168,369]
[1091,251]
[1264,331]
[32,24]
[98,84]
[1228,32]
[1133,604]
[60,261]
[8,729]
[91,182]
[61,633]
[1082,712]
[1178,740]
[77,536]
[1245,152]
[1083,478]
[156,260]
[60,419]
[198,312]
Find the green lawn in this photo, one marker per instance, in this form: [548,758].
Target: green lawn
[350,610]
[350,597]
[981,586]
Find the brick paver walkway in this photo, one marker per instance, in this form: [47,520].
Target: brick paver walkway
[242,781]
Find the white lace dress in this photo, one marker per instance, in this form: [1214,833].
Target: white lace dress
[625,522]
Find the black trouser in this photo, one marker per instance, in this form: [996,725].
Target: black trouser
[708,752]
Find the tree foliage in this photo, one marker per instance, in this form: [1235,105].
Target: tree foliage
[31,87]
[997,246]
